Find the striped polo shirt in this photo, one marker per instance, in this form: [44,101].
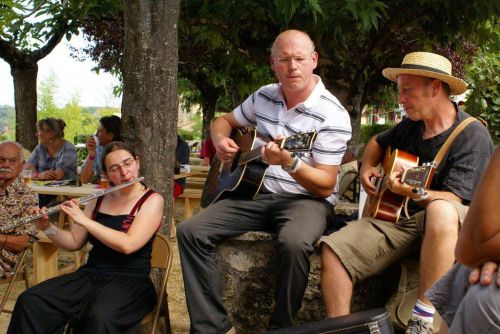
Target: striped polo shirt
[321,111]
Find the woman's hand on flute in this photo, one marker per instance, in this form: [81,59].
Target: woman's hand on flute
[43,222]
[72,209]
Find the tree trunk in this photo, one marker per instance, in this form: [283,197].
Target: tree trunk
[150,104]
[208,114]
[353,101]
[356,101]
[25,98]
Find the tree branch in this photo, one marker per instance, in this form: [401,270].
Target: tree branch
[52,42]
[7,51]
[34,10]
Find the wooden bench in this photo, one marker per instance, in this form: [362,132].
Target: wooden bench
[195,182]
[200,169]
[194,160]
[192,199]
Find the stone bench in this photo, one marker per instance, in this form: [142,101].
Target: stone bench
[248,266]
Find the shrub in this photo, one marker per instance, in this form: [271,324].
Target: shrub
[368,131]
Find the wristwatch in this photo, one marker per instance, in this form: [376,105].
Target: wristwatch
[52,230]
[294,166]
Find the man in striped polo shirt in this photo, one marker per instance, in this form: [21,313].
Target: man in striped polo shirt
[298,192]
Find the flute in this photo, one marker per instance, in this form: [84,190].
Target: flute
[57,208]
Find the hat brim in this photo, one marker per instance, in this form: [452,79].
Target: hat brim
[457,86]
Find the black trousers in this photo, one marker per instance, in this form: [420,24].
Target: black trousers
[92,303]
[297,220]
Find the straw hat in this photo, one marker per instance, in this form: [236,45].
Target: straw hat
[428,65]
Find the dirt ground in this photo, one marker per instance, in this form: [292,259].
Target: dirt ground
[176,301]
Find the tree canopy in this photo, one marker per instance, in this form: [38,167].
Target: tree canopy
[29,31]
[224,45]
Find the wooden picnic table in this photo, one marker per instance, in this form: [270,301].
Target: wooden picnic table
[45,253]
[66,191]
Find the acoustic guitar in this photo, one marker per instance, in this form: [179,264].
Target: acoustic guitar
[243,175]
[387,205]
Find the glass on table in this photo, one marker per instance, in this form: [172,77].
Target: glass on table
[27,174]
[104,182]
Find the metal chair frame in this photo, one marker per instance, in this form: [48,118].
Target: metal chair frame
[161,258]
[20,265]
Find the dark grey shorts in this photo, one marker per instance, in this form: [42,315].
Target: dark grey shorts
[466,308]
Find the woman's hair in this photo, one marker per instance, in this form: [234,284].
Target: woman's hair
[115,146]
[112,124]
[55,125]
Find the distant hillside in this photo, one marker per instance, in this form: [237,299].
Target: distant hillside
[7,122]
[79,120]
[7,115]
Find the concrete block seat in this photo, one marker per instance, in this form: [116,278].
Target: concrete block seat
[248,266]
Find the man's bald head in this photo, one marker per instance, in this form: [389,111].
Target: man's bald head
[291,33]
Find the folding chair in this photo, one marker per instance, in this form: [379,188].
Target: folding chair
[21,265]
[161,258]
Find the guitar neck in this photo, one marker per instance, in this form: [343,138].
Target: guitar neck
[249,156]
[301,142]
[253,154]
[57,208]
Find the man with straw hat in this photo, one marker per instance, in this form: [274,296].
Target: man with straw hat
[425,84]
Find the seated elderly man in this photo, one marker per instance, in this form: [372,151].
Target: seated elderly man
[16,199]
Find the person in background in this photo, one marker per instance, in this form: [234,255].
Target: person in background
[16,201]
[468,296]
[109,129]
[297,196]
[207,152]
[54,158]
[112,292]
[182,152]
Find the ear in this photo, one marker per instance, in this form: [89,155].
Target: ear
[271,62]
[315,57]
[437,85]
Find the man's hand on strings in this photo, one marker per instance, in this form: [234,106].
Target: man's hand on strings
[225,149]
[368,176]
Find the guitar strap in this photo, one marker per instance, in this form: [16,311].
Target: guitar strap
[442,151]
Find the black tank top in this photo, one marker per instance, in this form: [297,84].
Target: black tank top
[106,261]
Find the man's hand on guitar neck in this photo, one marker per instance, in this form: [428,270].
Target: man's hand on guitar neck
[318,179]
[272,154]
[395,185]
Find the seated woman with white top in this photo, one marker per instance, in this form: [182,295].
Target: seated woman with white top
[54,158]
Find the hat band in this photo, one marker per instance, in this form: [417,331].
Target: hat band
[422,67]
